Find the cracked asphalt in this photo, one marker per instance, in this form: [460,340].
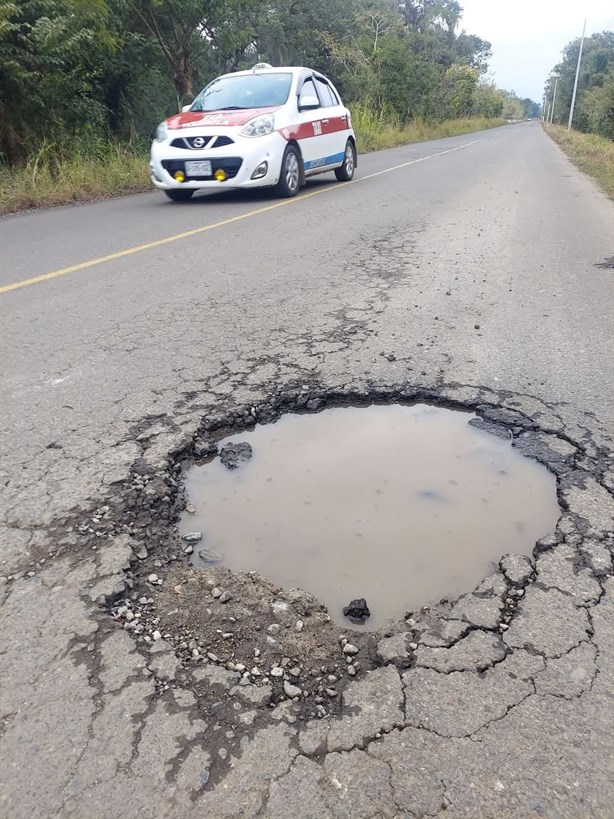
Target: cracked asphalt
[467,272]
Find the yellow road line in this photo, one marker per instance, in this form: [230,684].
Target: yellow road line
[120,254]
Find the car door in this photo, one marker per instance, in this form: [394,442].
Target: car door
[310,130]
[334,119]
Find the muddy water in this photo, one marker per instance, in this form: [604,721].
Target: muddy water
[400,505]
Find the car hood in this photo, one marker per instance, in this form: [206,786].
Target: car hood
[203,119]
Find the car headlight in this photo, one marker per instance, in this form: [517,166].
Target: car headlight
[161,132]
[260,126]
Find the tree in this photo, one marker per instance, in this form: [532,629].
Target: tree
[179,29]
[597,56]
[597,106]
[488,100]
[52,57]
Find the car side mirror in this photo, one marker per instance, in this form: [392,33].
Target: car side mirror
[185,108]
[308,103]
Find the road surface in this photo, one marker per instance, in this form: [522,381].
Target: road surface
[472,270]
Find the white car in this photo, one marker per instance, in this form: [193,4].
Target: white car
[267,127]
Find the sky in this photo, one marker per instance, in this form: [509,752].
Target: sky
[528,36]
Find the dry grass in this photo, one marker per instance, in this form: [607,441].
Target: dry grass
[57,177]
[591,153]
[378,130]
[61,175]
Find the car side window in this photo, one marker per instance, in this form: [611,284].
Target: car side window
[308,93]
[326,94]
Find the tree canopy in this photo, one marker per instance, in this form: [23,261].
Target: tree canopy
[594,110]
[114,68]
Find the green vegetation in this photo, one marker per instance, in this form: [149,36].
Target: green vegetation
[83,83]
[592,153]
[377,130]
[594,111]
[52,176]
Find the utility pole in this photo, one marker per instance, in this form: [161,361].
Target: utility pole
[556,82]
[575,85]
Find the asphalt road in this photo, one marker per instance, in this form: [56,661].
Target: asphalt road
[471,267]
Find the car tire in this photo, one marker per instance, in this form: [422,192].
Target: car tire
[291,174]
[346,172]
[180,195]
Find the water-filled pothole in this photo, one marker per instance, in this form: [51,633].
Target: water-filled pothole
[400,505]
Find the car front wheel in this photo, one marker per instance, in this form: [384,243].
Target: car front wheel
[290,177]
[180,195]
[346,172]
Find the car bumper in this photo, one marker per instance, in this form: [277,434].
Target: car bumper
[239,162]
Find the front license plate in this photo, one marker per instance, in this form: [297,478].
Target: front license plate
[202,168]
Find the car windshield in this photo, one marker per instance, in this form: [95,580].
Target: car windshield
[244,91]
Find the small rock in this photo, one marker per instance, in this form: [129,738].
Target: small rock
[292,690]
[274,628]
[413,646]
[129,616]
[142,553]
[276,671]
[225,597]
[351,670]
[204,449]
[195,653]
[191,510]
[152,578]
[331,692]
[192,537]
[350,648]
[233,455]
[299,625]
[209,557]
[215,592]
[357,610]
[223,753]
[295,671]
[189,549]
[213,657]
[157,635]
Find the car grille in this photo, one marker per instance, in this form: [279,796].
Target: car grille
[197,143]
[231,165]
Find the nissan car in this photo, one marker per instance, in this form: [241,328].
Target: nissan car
[263,128]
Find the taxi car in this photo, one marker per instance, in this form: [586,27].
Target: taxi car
[266,127]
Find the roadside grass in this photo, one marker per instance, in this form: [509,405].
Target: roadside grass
[592,153]
[59,175]
[377,130]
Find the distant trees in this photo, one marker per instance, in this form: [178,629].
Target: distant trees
[595,100]
[93,69]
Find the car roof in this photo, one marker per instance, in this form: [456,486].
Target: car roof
[287,69]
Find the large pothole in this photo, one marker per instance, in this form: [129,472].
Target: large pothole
[396,504]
